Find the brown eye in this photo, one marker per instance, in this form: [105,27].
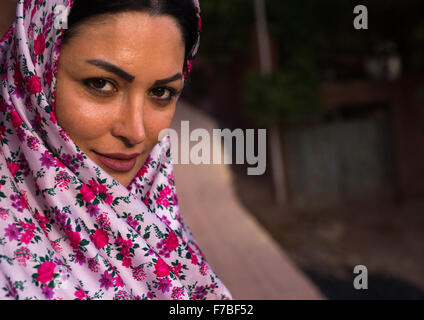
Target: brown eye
[100,85]
[163,93]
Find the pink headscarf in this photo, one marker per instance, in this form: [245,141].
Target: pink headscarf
[68,230]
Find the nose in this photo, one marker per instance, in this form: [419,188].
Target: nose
[129,125]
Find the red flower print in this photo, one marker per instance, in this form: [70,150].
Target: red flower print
[165,203]
[22,255]
[142,172]
[121,295]
[39,44]
[80,294]
[161,269]
[97,187]
[13,167]
[3,106]
[102,188]
[139,274]
[118,281]
[55,245]
[35,8]
[194,259]
[165,192]
[203,268]
[94,186]
[34,85]
[177,269]
[27,226]
[125,250]
[146,199]
[27,4]
[172,241]
[46,271]
[177,293]
[87,194]
[131,221]
[16,119]
[75,239]
[126,262]
[2,130]
[23,201]
[53,118]
[17,75]
[48,78]
[31,32]
[100,238]
[188,70]
[93,265]
[109,199]
[42,220]
[103,220]
[59,163]
[27,237]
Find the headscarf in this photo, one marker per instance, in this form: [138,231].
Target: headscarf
[69,230]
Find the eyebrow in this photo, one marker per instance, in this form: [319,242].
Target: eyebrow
[175,77]
[125,75]
[111,68]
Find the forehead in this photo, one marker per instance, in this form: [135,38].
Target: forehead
[133,40]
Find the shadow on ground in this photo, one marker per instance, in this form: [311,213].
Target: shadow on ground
[326,244]
[380,287]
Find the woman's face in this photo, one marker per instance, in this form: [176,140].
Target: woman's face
[117,86]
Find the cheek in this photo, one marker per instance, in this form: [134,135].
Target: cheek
[155,121]
[81,119]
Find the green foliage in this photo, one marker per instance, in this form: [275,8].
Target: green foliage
[226,26]
[311,37]
[286,95]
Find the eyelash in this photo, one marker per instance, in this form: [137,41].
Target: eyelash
[89,84]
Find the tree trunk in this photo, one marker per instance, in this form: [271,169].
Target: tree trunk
[277,160]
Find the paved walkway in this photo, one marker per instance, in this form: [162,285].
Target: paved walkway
[240,251]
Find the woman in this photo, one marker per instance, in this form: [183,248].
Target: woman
[88,205]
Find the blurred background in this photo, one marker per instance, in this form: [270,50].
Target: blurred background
[344,109]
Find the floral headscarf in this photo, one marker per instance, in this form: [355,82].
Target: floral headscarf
[68,230]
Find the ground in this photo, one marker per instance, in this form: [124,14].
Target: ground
[326,244]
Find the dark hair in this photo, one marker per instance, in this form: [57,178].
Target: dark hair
[183,11]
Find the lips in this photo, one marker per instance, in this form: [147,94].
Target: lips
[118,162]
